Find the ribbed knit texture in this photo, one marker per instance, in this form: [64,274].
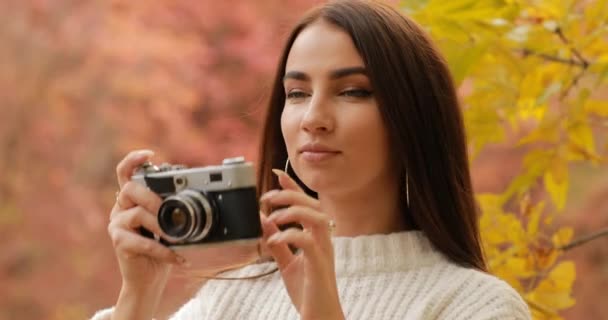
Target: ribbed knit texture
[395,276]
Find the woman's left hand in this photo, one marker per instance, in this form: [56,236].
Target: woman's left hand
[309,275]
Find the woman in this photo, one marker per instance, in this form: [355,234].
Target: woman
[364,108]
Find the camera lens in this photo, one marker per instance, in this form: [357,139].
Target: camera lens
[186,216]
[176,221]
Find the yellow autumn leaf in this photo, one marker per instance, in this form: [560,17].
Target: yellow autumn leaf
[562,237]
[595,11]
[502,228]
[554,291]
[556,182]
[483,126]
[580,134]
[534,215]
[597,107]
[547,10]
[547,132]
[600,66]
[535,165]
[461,61]
[490,203]
[545,258]
[521,78]
[506,274]
[520,267]
[529,109]
[531,86]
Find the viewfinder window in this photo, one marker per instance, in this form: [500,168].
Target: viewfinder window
[215,177]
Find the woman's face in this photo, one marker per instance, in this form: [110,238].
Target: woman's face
[335,137]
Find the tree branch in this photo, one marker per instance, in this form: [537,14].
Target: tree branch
[573,83]
[582,62]
[548,57]
[578,60]
[576,53]
[584,239]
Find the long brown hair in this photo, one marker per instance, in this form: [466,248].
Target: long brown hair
[421,112]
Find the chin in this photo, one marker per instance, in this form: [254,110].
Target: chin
[319,182]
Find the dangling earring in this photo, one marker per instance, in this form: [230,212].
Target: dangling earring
[407,189]
[286,165]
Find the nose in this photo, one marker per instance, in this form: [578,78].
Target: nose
[318,117]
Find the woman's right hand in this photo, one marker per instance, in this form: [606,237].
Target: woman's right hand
[144,263]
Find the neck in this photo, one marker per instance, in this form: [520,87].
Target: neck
[372,210]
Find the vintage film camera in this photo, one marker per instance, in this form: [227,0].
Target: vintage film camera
[204,205]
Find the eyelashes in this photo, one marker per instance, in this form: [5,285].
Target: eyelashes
[297,95]
[357,93]
[352,93]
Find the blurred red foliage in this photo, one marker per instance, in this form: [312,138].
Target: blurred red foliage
[82,84]
[86,83]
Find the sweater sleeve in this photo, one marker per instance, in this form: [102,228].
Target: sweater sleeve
[197,308]
[104,314]
[489,298]
[505,304]
[193,309]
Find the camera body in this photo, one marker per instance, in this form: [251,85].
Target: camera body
[204,205]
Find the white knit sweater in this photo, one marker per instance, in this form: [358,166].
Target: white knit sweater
[396,276]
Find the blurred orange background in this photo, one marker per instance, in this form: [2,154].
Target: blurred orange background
[83,83]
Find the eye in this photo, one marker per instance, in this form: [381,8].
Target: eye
[296,95]
[356,93]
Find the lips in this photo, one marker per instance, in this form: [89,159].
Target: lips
[317,148]
[316,152]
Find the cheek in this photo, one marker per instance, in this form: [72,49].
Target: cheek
[369,134]
[289,126]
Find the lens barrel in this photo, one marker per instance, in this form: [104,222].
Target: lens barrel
[186,216]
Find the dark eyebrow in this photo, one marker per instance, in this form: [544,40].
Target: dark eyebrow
[334,74]
[297,75]
[344,72]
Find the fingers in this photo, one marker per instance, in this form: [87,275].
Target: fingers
[316,225]
[290,197]
[281,252]
[309,218]
[314,245]
[129,243]
[286,181]
[136,207]
[301,209]
[134,194]
[123,230]
[135,218]
[129,163]
[299,239]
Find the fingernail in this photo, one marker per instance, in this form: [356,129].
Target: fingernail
[273,239]
[268,195]
[145,153]
[275,214]
[278,172]
[263,218]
